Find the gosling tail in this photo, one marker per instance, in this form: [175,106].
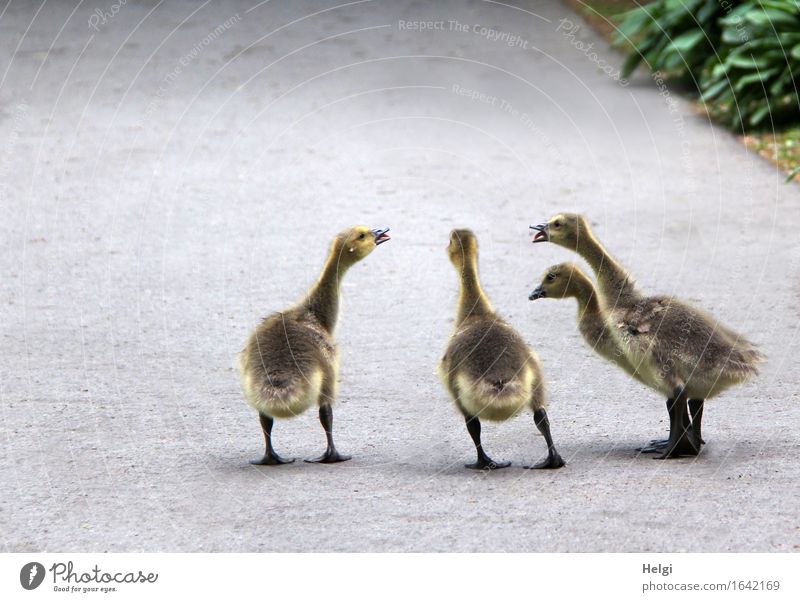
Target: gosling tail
[280,396]
[745,360]
[496,398]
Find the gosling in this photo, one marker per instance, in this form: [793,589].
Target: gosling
[487,368]
[679,350]
[618,290]
[291,361]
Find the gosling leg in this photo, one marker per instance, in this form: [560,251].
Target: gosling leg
[695,415]
[681,440]
[331,454]
[484,462]
[553,458]
[696,410]
[270,457]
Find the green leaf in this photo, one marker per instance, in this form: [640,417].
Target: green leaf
[770,18]
[714,89]
[788,6]
[759,114]
[733,36]
[632,22]
[718,71]
[706,11]
[754,77]
[745,62]
[685,42]
[630,64]
[782,81]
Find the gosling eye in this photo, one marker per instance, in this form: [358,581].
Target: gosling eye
[362,236]
[551,277]
[557,224]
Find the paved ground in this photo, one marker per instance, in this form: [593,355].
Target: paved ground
[165,184]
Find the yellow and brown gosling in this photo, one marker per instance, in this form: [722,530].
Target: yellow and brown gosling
[616,286]
[291,361]
[487,368]
[677,349]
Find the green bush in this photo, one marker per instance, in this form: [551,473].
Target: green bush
[760,63]
[676,37]
[744,55]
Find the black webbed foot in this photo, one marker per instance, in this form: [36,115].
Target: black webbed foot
[678,452]
[684,446]
[487,464]
[330,457]
[552,461]
[271,460]
[657,446]
[654,447]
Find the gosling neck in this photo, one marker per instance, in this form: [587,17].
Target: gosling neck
[323,298]
[586,295]
[472,301]
[612,279]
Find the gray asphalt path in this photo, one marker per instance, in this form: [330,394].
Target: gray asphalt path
[173,174]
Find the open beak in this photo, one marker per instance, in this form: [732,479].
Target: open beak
[381,235]
[537,293]
[542,233]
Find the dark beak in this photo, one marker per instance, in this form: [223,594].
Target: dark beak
[537,293]
[542,233]
[381,235]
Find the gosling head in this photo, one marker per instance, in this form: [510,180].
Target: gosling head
[355,243]
[565,229]
[559,282]
[463,244]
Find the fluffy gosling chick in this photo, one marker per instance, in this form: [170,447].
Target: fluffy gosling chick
[617,289]
[291,361]
[487,368]
[677,349]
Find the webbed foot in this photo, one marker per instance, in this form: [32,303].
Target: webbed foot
[487,464]
[330,457]
[552,461]
[271,460]
[655,446]
[682,447]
